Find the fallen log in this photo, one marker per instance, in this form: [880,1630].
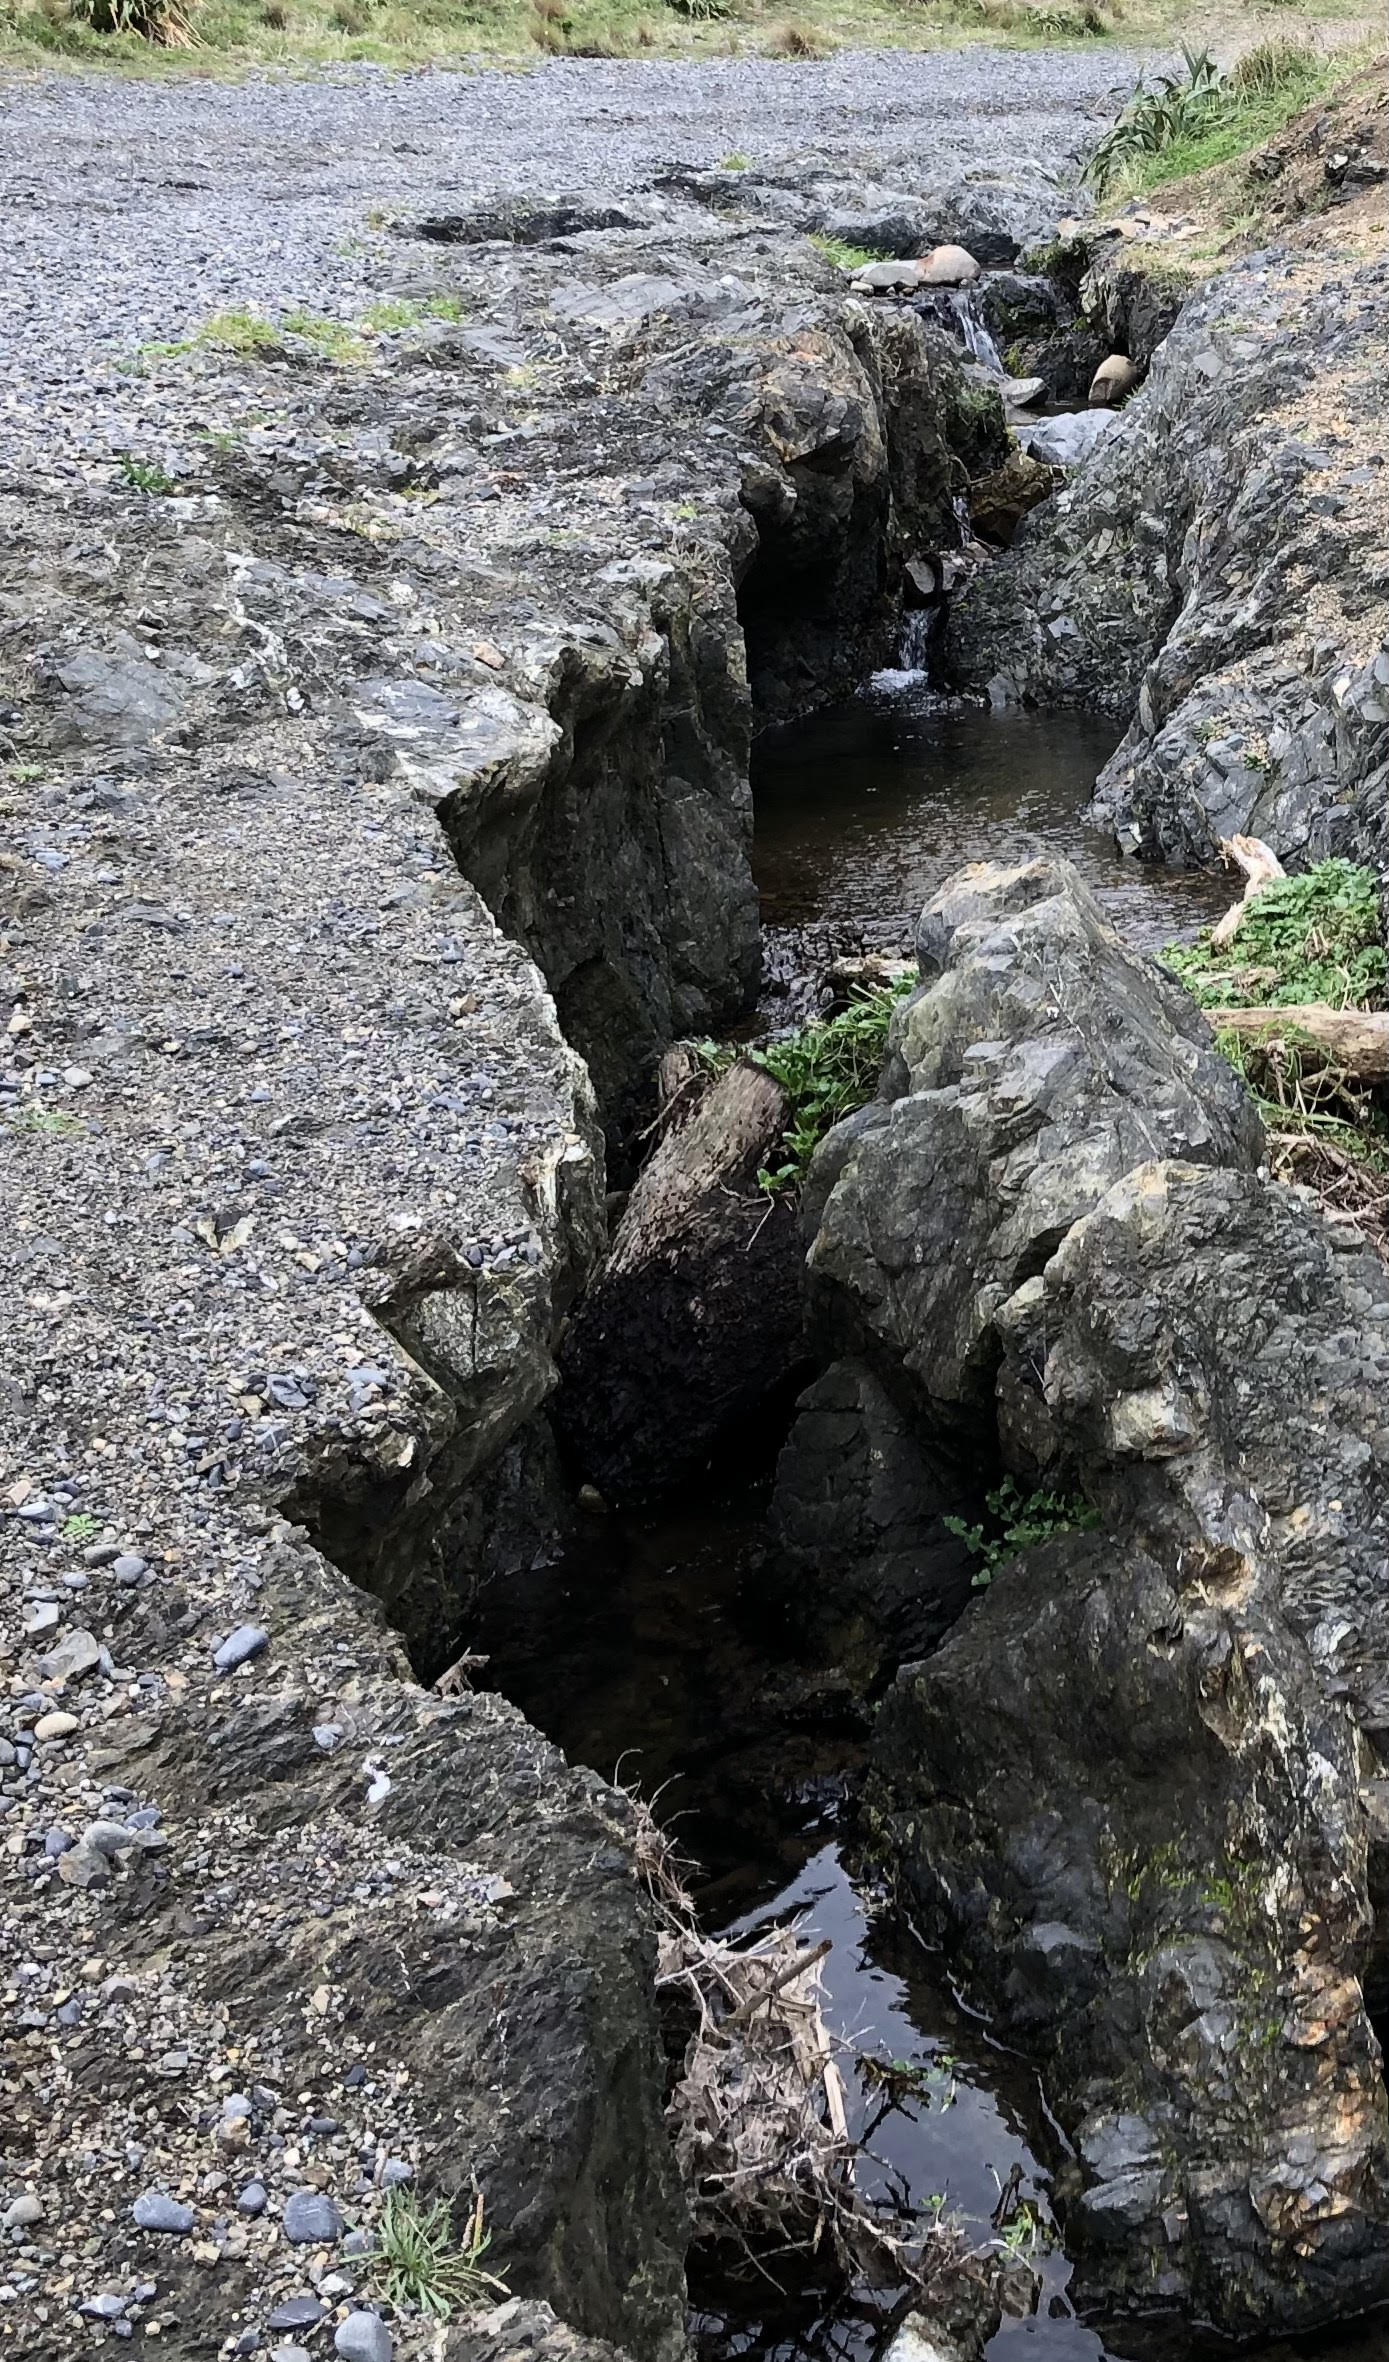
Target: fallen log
[695,1318]
[1356,1040]
[1260,866]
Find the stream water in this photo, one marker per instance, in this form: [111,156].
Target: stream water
[652,1649]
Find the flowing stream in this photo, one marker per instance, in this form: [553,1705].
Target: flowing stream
[650,1650]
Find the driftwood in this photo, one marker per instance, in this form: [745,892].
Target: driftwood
[696,1316]
[1355,1040]
[1260,866]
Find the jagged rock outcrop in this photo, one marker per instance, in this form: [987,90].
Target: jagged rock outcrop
[1217,573]
[1137,1789]
[1040,1061]
[1133,1777]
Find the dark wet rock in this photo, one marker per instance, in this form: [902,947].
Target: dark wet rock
[1039,1062]
[696,1317]
[1155,1857]
[857,1513]
[1216,577]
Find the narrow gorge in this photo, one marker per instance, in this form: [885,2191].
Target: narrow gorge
[521,1481]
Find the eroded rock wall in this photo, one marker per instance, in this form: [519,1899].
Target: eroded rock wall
[1216,575]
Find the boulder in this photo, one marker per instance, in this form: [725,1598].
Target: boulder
[1040,1061]
[1132,1783]
[1115,377]
[998,502]
[948,266]
[1067,439]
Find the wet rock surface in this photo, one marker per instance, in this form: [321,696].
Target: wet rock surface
[1217,573]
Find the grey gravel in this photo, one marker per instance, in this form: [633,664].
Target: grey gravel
[308,159]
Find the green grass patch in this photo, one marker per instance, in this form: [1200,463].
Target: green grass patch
[1015,1521]
[396,312]
[844,256]
[1184,122]
[145,475]
[1315,937]
[332,338]
[826,1070]
[245,334]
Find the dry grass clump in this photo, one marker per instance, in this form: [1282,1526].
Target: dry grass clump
[795,39]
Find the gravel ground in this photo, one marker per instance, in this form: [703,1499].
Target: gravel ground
[170,201]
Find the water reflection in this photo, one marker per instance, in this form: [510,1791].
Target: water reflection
[863,811]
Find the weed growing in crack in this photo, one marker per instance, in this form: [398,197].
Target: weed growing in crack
[418,2265]
[826,1070]
[1019,1519]
[145,475]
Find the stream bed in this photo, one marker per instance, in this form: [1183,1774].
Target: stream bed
[653,1648]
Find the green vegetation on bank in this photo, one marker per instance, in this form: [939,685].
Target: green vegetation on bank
[1307,939]
[1315,937]
[1183,122]
[212,36]
[419,2265]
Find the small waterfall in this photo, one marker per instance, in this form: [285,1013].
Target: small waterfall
[919,627]
[974,335]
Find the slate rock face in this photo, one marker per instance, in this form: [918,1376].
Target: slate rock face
[1216,575]
[1139,1787]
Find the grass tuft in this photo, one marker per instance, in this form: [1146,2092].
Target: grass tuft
[844,256]
[419,2267]
[1202,116]
[145,475]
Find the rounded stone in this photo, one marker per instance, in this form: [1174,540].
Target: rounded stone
[23,2212]
[310,2218]
[153,2211]
[948,266]
[252,2200]
[363,2337]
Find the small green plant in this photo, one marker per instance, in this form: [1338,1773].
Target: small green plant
[931,2081]
[736,162]
[242,333]
[1174,107]
[419,2266]
[332,338]
[81,1526]
[1314,937]
[1019,1519]
[52,1123]
[844,256]
[399,311]
[145,475]
[826,1070]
